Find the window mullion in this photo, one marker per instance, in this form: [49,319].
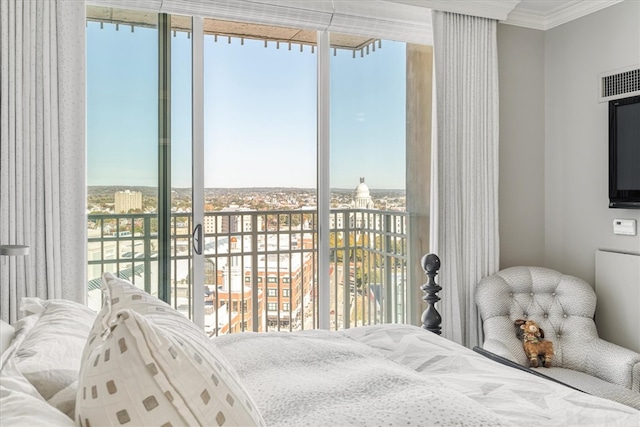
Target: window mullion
[164,157]
[324,193]
[197,159]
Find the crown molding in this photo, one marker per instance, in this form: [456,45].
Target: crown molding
[577,11]
[493,9]
[527,20]
[502,10]
[572,11]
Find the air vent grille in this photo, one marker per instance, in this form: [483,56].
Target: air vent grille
[620,85]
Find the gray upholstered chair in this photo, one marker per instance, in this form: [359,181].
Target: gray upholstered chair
[563,306]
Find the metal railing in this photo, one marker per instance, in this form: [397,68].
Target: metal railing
[261,266]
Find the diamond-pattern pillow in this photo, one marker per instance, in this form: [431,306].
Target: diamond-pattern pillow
[147,364]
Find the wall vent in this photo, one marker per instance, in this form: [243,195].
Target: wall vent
[619,84]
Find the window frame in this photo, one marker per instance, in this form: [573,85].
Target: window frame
[324,50]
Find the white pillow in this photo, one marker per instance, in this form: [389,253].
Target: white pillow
[147,364]
[47,348]
[6,335]
[22,405]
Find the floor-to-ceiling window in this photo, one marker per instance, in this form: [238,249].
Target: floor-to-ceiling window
[259,176]
[368,190]
[261,172]
[122,141]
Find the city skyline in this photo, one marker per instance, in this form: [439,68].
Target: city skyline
[105,198]
[253,137]
[174,187]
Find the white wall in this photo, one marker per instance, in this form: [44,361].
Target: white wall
[577,218]
[521,76]
[554,140]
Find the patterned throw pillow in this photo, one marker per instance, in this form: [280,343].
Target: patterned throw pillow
[147,364]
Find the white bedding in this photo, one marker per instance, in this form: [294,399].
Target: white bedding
[400,375]
[395,375]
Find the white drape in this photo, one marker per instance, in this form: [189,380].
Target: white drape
[466,75]
[42,150]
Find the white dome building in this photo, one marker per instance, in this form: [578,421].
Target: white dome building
[362,197]
[361,200]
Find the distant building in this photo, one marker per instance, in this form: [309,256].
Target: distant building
[127,200]
[209,223]
[362,196]
[224,221]
[361,200]
[287,278]
[359,220]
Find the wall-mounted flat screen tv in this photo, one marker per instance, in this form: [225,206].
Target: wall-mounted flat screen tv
[624,153]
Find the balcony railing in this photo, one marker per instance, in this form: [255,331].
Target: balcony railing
[261,268]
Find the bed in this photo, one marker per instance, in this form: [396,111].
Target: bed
[138,362]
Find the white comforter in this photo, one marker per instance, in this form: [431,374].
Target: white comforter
[400,375]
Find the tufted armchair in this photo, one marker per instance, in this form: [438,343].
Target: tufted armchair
[563,306]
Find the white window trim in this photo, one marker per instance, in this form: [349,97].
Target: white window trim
[197,123]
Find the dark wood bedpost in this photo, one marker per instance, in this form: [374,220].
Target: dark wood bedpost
[430,317]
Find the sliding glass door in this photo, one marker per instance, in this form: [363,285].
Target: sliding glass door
[122,150]
[287,160]
[259,178]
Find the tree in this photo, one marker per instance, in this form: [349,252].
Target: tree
[335,243]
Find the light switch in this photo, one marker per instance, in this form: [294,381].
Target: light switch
[624,226]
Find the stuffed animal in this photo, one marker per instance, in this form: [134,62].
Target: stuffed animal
[534,344]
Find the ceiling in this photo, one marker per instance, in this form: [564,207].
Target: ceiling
[546,14]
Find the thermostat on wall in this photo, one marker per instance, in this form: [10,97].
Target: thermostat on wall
[624,226]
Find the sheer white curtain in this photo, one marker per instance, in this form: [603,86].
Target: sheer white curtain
[42,150]
[466,152]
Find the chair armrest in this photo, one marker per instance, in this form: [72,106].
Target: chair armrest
[607,361]
[498,348]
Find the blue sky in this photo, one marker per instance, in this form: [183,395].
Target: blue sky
[260,113]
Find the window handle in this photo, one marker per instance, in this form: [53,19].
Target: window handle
[197,239]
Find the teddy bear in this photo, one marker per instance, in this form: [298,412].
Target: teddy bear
[534,344]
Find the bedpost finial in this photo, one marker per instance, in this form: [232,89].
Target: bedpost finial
[431,263]
[431,319]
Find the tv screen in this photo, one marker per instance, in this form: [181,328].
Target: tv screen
[624,153]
